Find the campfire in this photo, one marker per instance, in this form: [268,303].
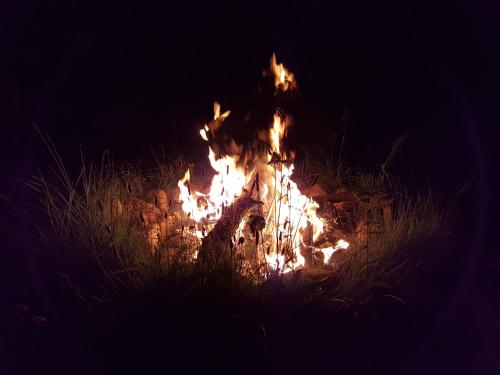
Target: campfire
[253,209]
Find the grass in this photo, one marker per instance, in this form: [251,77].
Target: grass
[143,303]
[78,221]
[390,259]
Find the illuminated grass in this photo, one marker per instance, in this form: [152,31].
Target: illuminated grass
[78,224]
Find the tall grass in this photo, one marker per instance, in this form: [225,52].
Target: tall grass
[79,220]
[80,223]
[387,261]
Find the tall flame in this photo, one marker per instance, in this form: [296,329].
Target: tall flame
[283,79]
[291,223]
[277,132]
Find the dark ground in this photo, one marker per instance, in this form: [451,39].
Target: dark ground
[128,77]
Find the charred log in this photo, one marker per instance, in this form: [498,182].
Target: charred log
[217,247]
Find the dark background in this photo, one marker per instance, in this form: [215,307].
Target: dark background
[131,76]
[126,76]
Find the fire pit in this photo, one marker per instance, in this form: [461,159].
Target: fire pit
[252,210]
[253,207]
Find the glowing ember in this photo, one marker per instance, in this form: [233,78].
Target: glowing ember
[290,222]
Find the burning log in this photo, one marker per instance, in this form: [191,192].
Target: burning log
[217,245]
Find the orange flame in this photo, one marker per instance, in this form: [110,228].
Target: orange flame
[283,79]
[328,251]
[289,215]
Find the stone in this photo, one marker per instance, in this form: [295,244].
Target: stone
[167,226]
[149,213]
[159,198]
[174,194]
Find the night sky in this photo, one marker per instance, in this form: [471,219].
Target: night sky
[130,76]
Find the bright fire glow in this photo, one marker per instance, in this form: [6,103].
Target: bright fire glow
[328,251]
[217,114]
[276,133]
[291,224]
[283,79]
[203,132]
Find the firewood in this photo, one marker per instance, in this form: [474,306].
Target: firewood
[336,197]
[217,245]
[318,190]
[366,230]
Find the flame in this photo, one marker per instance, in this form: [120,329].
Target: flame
[291,223]
[283,79]
[277,132]
[227,184]
[217,114]
[328,251]
[203,132]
